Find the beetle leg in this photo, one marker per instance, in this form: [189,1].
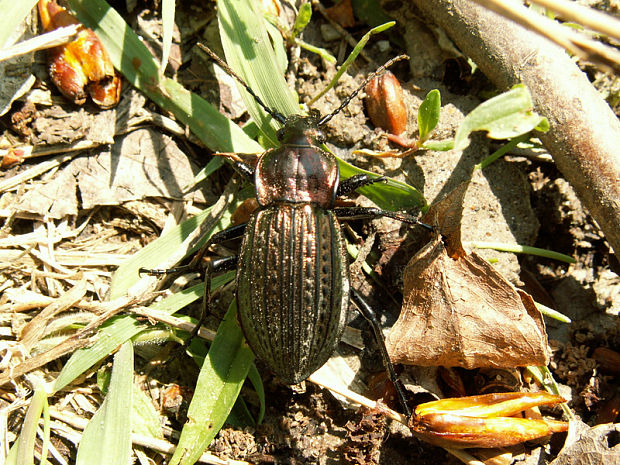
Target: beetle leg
[244,169]
[197,262]
[368,313]
[215,265]
[363,213]
[357,181]
[208,266]
[237,159]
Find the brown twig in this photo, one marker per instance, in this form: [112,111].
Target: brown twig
[584,135]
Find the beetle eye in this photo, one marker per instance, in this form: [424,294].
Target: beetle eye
[280,134]
[320,137]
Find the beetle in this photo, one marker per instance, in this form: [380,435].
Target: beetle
[292,284]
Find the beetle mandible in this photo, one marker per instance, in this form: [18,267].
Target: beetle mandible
[292,274]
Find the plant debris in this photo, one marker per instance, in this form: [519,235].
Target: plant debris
[458,310]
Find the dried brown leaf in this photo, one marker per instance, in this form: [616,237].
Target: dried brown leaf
[342,13]
[458,310]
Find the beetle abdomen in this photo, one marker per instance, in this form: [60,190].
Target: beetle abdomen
[293,288]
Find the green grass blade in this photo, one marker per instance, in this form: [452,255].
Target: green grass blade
[504,116]
[545,378]
[551,313]
[107,437]
[250,53]
[502,151]
[257,382]
[217,388]
[130,56]
[153,254]
[120,329]
[13,13]
[24,454]
[351,58]
[167,20]
[516,248]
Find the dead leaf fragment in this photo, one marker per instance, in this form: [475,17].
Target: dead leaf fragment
[459,311]
[590,445]
[342,13]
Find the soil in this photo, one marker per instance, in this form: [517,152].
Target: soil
[521,198]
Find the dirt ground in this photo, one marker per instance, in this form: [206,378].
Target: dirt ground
[116,189]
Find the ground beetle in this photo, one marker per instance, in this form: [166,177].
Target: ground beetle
[292,273]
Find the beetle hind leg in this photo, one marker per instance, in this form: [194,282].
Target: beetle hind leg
[368,313]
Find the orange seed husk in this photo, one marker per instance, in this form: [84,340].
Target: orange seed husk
[82,67]
[483,421]
[385,103]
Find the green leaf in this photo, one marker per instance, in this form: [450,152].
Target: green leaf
[107,437]
[217,388]
[303,18]
[391,195]
[505,116]
[428,114]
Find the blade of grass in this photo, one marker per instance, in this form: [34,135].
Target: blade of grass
[504,149]
[120,329]
[25,444]
[167,20]
[551,313]
[516,248]
[107,437]
[250,53]
[13,13]
[130,56]
[545,378]
[217,388]
[351,58]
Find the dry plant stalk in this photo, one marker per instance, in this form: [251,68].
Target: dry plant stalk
[458,310]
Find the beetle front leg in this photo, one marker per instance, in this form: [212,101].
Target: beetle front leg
[369,213]
[355,182]
[368,313]
[243,168]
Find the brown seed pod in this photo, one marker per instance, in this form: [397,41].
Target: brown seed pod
[82,67]
[385,103]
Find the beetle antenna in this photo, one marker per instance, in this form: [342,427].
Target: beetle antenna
[346,101]
[273,113]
